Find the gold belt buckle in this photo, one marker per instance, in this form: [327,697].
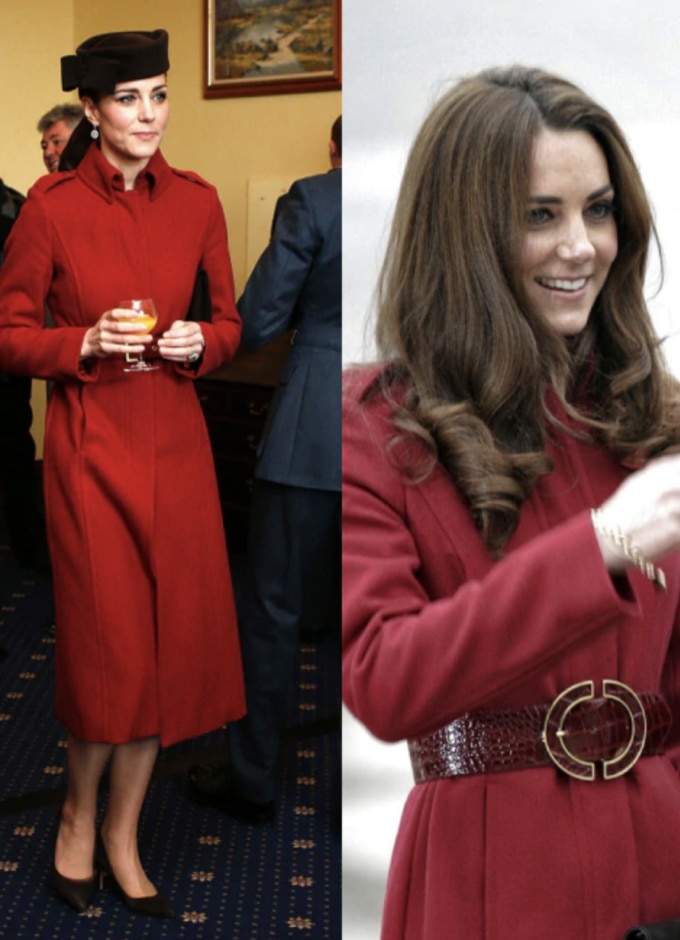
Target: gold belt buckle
[554,732]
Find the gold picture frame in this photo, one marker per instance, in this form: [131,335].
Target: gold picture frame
[271,47]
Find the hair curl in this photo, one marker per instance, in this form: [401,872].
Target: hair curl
[471,362]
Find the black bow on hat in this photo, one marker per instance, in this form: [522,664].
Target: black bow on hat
[103,61]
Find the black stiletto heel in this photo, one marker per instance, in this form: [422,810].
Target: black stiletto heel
[156,905]
[78,893]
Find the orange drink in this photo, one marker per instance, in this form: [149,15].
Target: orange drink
[144,315]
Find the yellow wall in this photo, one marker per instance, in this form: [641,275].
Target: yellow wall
[34,32]
[230,141]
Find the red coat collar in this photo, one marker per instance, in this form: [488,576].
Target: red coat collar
[102,177]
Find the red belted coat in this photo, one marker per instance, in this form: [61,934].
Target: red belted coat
[434,628]
[146,630]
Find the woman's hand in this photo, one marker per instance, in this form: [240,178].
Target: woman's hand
[646,510]
[183,342]
[111,337]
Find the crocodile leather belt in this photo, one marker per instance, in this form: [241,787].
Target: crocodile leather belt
[576,733]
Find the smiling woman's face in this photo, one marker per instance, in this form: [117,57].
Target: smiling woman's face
[131,121]
[570,239]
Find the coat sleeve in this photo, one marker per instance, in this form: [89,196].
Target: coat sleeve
[412,663]
[26,346]
[223,333]
[268,303]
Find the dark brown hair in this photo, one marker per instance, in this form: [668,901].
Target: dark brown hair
[80,140]
[470,361]
[336,135]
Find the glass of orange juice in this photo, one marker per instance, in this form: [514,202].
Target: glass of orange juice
[144,315]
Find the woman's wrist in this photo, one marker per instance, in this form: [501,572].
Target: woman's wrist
[86,349]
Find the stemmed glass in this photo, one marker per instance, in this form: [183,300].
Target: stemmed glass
[144,316]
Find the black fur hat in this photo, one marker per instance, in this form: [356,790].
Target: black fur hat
[103,61]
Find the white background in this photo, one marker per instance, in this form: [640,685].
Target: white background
[398,56]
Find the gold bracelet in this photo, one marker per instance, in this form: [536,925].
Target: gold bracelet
[628,549]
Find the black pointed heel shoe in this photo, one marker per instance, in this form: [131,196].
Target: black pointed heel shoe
[77,892]
[155,905]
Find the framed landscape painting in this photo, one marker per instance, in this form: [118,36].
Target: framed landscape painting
[270,47]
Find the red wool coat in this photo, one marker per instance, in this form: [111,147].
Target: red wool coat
[146,629]
[434,628]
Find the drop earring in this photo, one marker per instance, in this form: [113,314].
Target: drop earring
[94,133]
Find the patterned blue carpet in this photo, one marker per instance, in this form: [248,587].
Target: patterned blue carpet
[226,880]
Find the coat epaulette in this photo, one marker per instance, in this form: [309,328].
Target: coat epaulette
[51,180]
[194,177]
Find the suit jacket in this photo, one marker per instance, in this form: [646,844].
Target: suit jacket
[10,203]
[434,628]
[296,284]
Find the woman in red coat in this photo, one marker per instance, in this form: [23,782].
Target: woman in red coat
[512,580]
[147,649]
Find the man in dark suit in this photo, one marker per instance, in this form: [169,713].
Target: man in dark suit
[293,578]
[17,450]
[20,485]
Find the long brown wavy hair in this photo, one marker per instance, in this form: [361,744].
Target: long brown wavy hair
[470,361]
